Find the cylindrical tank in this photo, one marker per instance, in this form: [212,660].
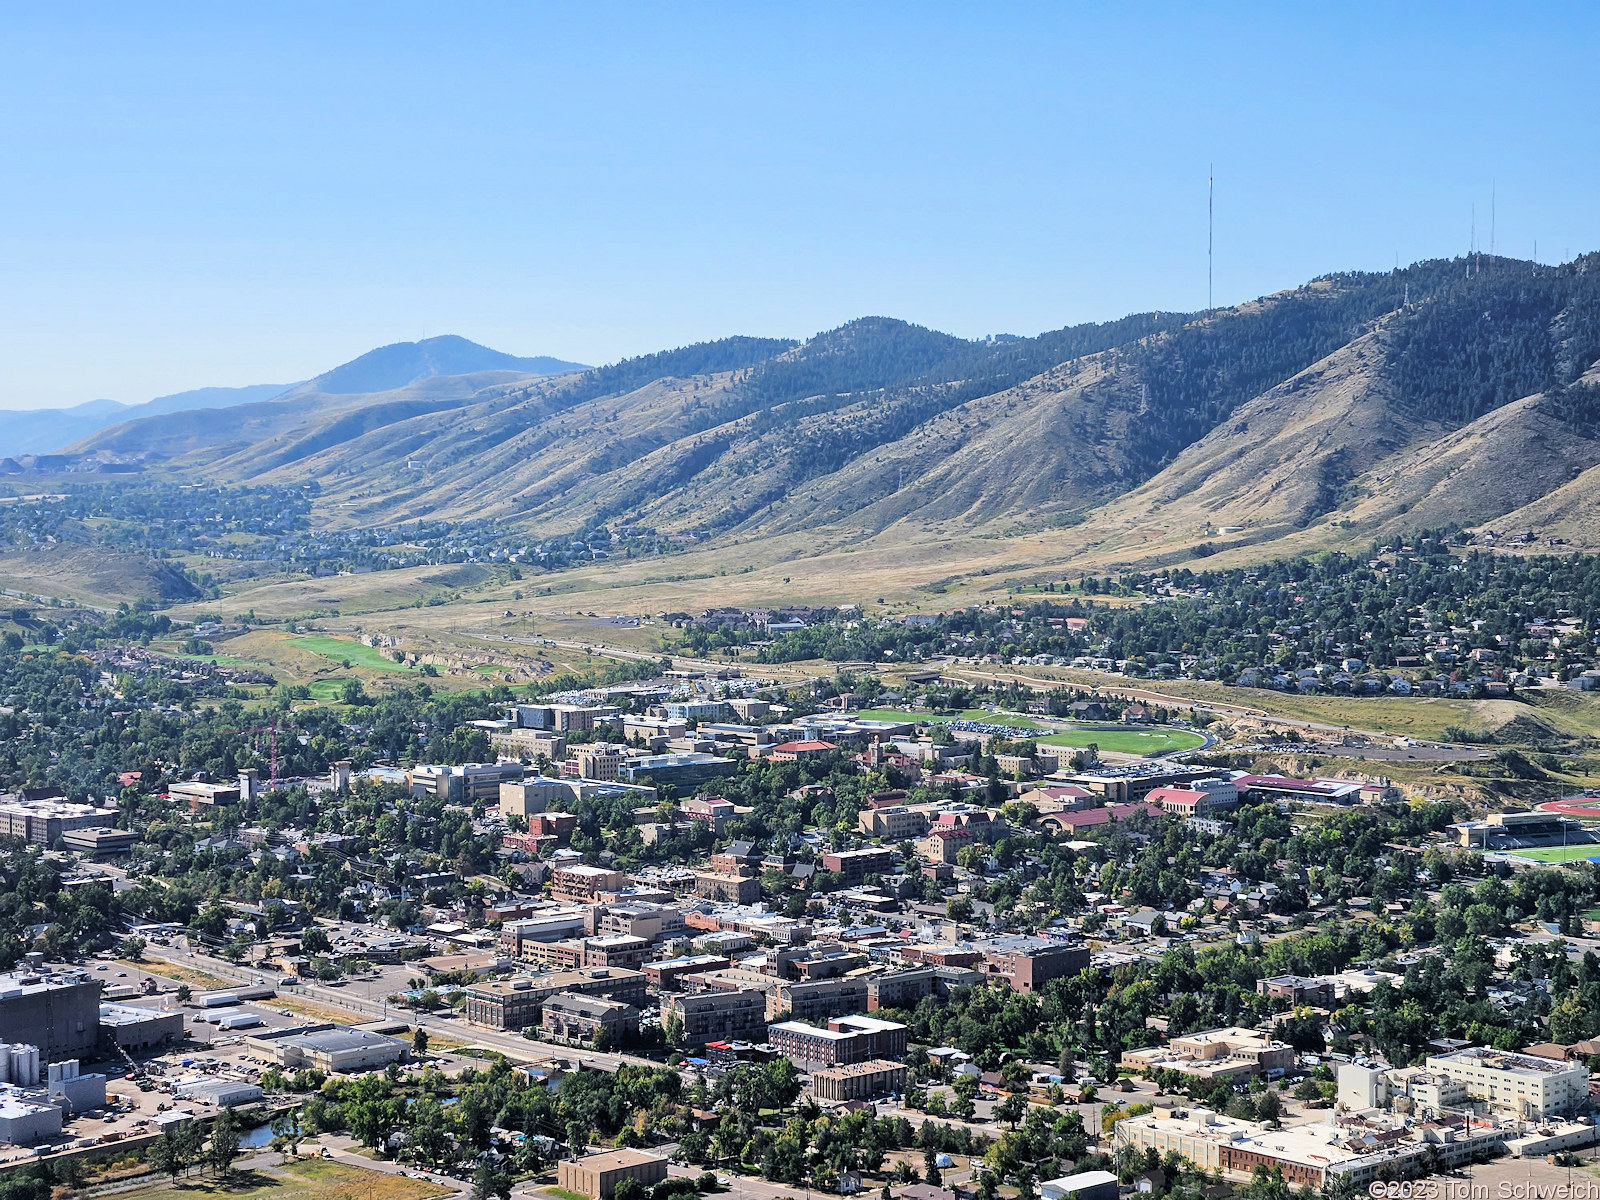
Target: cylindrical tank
[5,1064]
[25,1066]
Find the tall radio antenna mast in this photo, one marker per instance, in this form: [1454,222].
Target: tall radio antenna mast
[1491,219]
[1211,189]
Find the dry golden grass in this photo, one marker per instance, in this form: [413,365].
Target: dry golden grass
[176,973]
[305,1179]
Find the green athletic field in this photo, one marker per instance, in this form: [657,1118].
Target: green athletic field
[1156,740]
[1558,854]
[1131,740]
[340,649]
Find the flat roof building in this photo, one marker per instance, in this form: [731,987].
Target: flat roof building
[1085,1185]
[331,1048]
[224,1093]
[129,1027]
[24,1121]
[718,1016]
[57,1011]
[570,1017]
[597,1175]
[688,769]
[1028,963]
[858,1081]
[849,1039]
[517,1003]
[1215,1054]
[1532,1088]
[99,843]
[580,883]
[43,821]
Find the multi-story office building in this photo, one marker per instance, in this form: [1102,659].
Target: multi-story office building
[1028,963]
[517,1003]
[855,865]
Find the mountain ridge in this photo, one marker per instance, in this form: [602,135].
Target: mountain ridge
[1348,405]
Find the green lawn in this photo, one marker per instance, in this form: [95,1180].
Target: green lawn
[307,1179]
[223,660]
[1157,740]
[1133,740]
[1558,854]
[327,690]
[340,649]
[970,714]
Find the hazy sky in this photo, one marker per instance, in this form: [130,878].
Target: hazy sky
[231,194]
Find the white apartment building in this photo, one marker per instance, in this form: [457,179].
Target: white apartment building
[1532,1088]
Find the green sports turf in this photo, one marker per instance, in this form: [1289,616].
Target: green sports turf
[1132,740]
[1558,854]
[1127,741]
[339,649]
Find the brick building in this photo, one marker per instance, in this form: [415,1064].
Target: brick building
[718,1016]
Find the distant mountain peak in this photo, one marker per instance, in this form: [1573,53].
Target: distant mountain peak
[395,366]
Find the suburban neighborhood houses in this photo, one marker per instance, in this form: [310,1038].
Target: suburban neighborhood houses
[1053,942]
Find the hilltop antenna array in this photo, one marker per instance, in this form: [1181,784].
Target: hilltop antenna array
[1211,191]
[1491,220]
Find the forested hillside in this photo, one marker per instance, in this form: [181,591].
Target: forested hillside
[1152,433]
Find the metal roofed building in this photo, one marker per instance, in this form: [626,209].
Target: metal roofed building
[332,1048]
[222,1092]
[1085,1185]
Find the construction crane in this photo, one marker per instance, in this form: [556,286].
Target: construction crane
[272,732]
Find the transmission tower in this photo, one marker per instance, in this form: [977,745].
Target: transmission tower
[1211,192]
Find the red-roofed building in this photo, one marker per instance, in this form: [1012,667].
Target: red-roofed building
[1089,818]
[800,751]
[1060,795]
[944,842]
[1181,802]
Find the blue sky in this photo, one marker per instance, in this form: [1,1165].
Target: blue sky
[232,194]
